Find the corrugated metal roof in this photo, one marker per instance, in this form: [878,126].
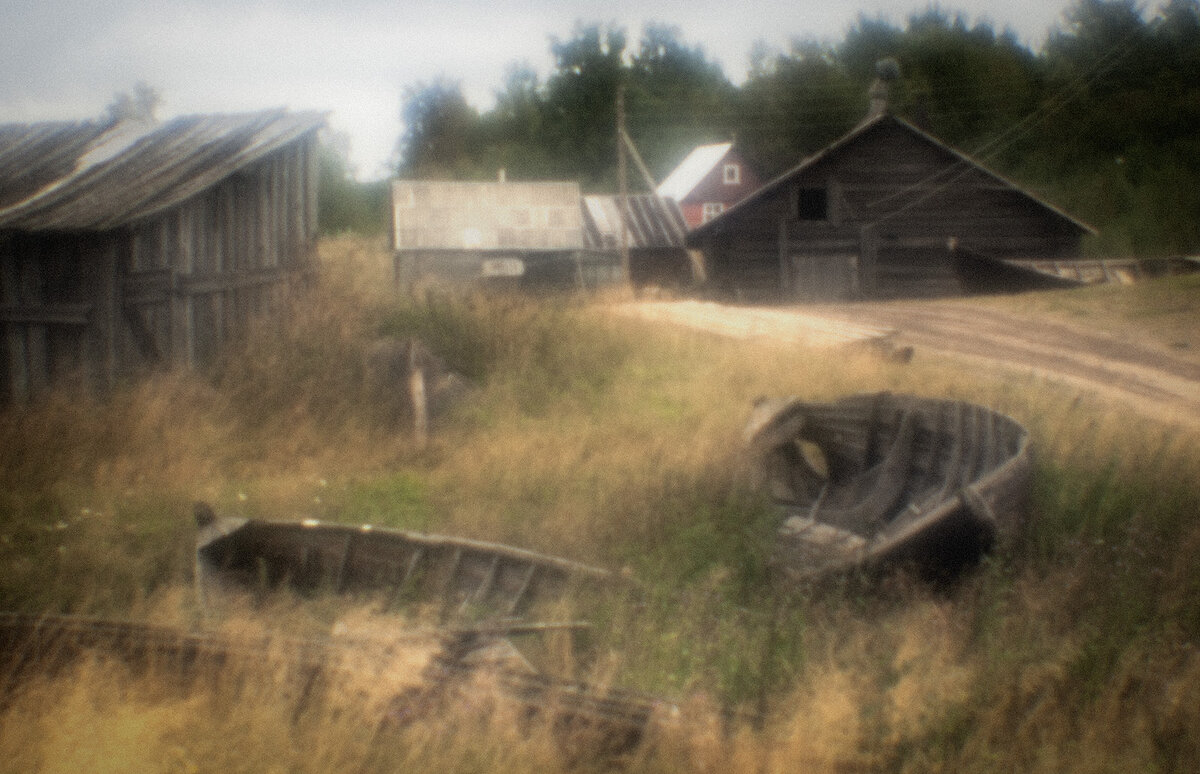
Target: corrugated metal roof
[692,170]
[654,222]
[456,215]
[94,176]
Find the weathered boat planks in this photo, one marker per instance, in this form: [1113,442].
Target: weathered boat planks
[873,480]
[407,675]
[981,273]
[465,577]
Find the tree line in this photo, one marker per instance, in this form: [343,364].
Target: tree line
[1102,121]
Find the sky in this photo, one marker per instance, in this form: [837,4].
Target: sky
[66,59]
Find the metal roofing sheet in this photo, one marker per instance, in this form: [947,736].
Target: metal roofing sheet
[692,170]
[93,176]
[653,222]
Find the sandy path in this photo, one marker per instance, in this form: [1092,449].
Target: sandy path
[1158,380]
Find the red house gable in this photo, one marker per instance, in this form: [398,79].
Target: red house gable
[709,181]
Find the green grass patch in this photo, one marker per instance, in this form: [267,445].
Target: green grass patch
[617,443]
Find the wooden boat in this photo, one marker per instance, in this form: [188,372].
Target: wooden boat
[981,273]
[465,577]
[408,675]
[872,480]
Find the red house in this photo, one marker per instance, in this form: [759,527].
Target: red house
[709,181]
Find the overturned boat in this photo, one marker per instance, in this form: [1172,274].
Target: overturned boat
[875,480]
[401,677]
[981,273]
[464,577]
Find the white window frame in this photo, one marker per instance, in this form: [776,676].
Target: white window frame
[711,210]
[731,174]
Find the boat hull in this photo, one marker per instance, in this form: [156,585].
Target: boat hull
[875,480]
[462,577]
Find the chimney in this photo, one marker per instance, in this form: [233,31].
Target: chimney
[886,71]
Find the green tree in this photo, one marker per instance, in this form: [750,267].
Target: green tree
[441,136]
[138,104]
[343,203]
[677,98]
[581,96]
[1121,147]
[795,104]
[514,132]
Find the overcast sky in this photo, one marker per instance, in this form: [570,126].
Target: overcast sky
[65,59]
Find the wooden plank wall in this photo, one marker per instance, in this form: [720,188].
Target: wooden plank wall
[172,289]
[203,270]
[895,202]
[46,313]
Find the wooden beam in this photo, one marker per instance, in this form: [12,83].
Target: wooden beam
[106,345]
[46,314]
[14,335]
[637,161]
[37,358]
[205,284]
[623,184]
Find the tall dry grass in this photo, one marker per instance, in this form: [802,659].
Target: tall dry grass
[611,441]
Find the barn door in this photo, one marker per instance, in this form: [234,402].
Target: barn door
[821,277]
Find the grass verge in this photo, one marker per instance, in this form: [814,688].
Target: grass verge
[616,443]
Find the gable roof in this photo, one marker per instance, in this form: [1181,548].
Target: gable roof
[862,129]
[693,169]
[461,215]
[99,175]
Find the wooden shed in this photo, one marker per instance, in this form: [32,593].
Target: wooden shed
[127,244]
[655,235]
[519,234]
[877,214]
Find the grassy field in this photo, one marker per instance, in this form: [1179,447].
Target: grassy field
[606,440]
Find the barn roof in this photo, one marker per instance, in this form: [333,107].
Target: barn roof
[459,215]
[693,169]
[653,222]
[99,175]
[862,129]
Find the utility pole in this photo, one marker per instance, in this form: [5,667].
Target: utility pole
[623,182]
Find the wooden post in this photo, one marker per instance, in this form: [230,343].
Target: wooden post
[416,393]
[647,178]
[105,276]
[785,283]
[36,335]
[868,263]
[192,239]
[14,332]
[623,182]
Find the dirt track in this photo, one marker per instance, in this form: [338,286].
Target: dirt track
[1156,379]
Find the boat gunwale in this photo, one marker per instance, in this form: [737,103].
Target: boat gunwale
[423,539]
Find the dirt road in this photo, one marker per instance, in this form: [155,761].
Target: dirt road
[1157,379]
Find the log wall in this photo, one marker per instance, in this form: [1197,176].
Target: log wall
[896,203]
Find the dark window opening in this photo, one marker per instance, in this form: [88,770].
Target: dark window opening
[812,204]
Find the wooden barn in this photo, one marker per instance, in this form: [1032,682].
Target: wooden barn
[709,180]
[130,244]
[527,235]
[655,236]
[877,214]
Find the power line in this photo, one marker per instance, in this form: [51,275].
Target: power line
[1006,139]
